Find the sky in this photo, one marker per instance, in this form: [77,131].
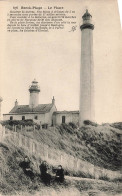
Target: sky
[54,59]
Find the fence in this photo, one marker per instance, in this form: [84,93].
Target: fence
[54,156]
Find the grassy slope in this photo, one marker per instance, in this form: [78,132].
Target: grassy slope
[15,181]
[99,145]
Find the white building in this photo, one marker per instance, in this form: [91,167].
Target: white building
[40,113]
[60,117]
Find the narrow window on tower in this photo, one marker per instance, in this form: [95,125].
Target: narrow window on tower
[63,119]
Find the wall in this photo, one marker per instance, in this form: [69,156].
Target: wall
[69,117]
[54,156]
[43,118]
[75,118]
[34,99]
[27,116]
[47,117]
[50,115]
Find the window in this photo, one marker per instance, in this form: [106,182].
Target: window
[45,126]
[23,117]
[11,117]
[52,122]
[36,117]
[63,119]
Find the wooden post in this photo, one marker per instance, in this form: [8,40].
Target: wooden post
[14,138]
[34,127]
[94,172]
[33,147]
[46,152]
[25,142]
[76,164]
[3,132]
[20,140]
[21,127]
[61,159]
[40,125]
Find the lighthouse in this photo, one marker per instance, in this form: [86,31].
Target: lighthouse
[34,94]
[87,70]
[0,106]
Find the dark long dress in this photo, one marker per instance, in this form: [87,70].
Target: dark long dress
[60,175]
[25,165]
[46,178]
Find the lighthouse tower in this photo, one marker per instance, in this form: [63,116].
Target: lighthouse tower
[0,106]
[87,70]
[34,94]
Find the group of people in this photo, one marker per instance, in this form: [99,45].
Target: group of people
[45,176]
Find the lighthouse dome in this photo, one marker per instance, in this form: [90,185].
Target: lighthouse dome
[86,16]
[34,86]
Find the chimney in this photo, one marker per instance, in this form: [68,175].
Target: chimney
[16,103]
[53,100]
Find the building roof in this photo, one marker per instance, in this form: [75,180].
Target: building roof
[66,112]
[41,108]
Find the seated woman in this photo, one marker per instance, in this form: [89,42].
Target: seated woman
[26,166]
[60,174]
[46,178]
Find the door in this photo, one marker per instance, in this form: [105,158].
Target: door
[63,119]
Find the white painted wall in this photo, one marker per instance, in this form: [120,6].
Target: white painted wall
[69,117]
[34,99]
[43,118]
[49,116]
